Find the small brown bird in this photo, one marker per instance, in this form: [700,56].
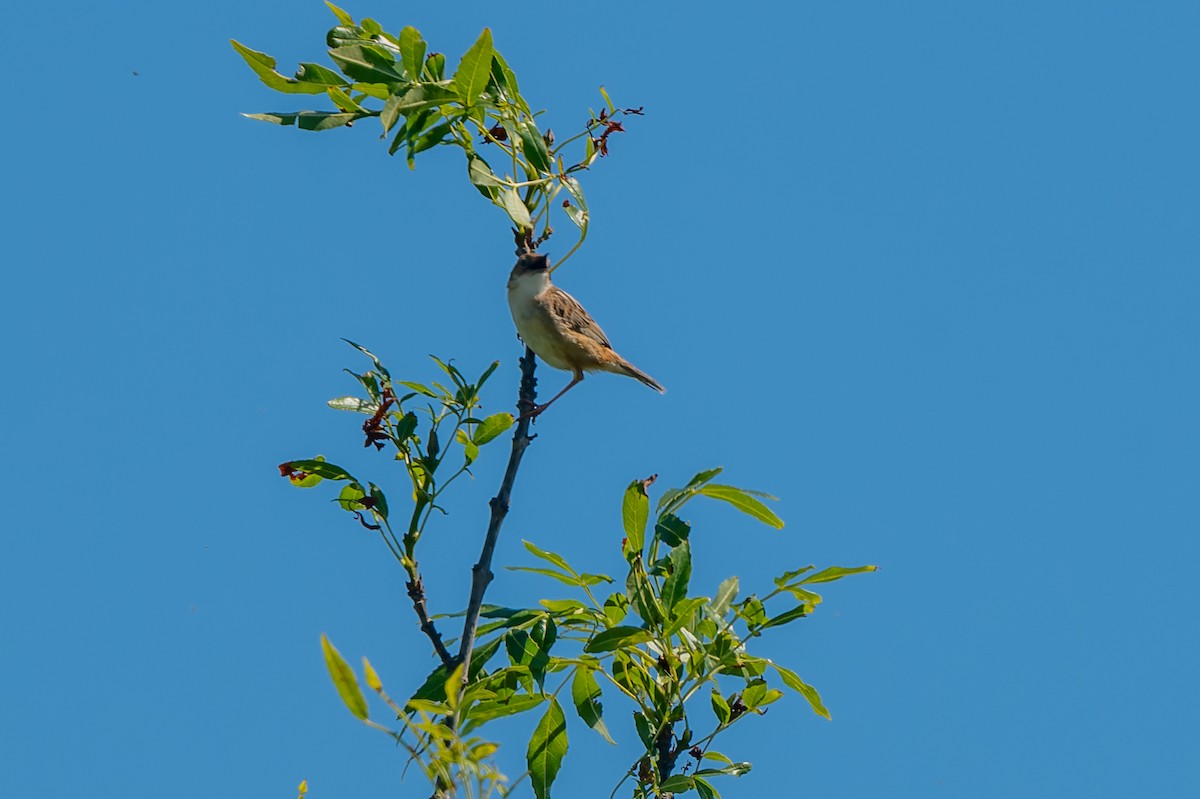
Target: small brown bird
[559,330]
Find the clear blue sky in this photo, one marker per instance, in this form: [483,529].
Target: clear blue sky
[926,271]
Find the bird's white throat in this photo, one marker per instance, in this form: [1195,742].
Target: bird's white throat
[523,288]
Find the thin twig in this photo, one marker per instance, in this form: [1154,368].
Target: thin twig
[481,572]
[416,592]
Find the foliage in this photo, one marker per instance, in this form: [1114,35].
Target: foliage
[680,659]
[478,107]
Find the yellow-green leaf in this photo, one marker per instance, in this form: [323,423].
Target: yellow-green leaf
[344,680]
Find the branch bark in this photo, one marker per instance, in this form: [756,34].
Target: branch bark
[416,592]
[481,572]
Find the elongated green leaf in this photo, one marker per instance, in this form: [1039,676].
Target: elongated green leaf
[681,614]
[430,138]
[726,591]
[342,16]
[425,95]
[792,680]
[344,680]
[671,530]
[326,120]
[354,404]
[368,63]
[616,608]
[720,707]
[546,751]
[534,147]
[474,70]
[585,694]
[390,113]
[617,638]
[510,201]
[551,557]
[264,66]
[412,51]
[674,589]
[837,573]
[315,73]
[635,511]
[705,789]
[798,612]
[492,427]
[674,498]
[743,501]
[677,783]
[569,579]
[322,468]
[641,596]
[486,711]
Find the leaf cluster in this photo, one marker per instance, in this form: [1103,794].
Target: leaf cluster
[421,105]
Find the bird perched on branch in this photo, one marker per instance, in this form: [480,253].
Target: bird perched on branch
[559,330]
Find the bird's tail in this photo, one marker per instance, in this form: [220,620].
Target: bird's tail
[627,368]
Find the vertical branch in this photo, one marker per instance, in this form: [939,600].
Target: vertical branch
[481,572]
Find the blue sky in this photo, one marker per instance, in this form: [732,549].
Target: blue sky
[926,271]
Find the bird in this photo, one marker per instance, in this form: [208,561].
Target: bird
[558,330]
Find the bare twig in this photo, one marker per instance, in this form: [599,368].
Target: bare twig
[481,572]
[416,592]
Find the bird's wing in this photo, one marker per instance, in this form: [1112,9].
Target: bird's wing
[567,308]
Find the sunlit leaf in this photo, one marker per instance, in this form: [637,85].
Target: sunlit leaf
[492,427]
[674,589]
[837,573]
[743,501]
[793,681]
[355,404]
[471,77]
[546,750]
[412,51]
[726,591]
[617,638]
[635,510]
[344,680]
[585,694]
[264,66]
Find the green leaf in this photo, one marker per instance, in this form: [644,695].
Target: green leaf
[492,427]
[391,112]
[674,589]
[726,591]
[720,707]
[671,530]
[420,388]
[381,506]
[674,498]
[495,709]
[743,501]
[753,612]
[562,578]
[645,731]
[344,680]
[551,557]
[264,66]
[425,95]
[585,694]
[677,783]
[430,138]
[510,201]
[546,750]
[641,596]
[837,573]
[616,608]
[342,16]
[315,73]
[681,615]
[412,51]
[705,789]
[635,510]
[604,94]
[349,497]
[353,404]
[368,63]
[793,681]
[798,612]
[534,147]
[617,638]
[321,468]
[319,120]
[788,576]
[471,77]
[435,66]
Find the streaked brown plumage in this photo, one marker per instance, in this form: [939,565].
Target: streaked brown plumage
[558,329]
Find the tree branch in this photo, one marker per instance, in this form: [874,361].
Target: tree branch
[481,572]
[416,592]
